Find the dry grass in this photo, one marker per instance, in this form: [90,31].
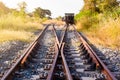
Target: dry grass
[17,28]
[79,26]
[17,23]
[7,35]
[107,34]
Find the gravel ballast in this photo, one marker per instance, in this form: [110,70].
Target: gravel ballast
[9,53]
[111,58]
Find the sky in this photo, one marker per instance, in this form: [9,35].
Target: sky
[57,7]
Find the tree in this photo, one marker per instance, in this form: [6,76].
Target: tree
[47,12]
[22,7]
[107,4]
[89,5]
[4,9]
[38,12]
[99,5]
[41,13]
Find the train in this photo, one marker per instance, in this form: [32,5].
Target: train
[69,18]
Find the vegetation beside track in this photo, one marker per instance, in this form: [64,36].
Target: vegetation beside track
[19,25]
[16,28]
[100,22]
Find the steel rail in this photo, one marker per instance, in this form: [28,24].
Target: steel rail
[50,74]
[66,69]
[69,77]
[59,46]
[63,35]
[22,59]
[54,30]
[56,56]
[105,70]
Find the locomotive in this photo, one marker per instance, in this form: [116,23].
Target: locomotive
[69,18]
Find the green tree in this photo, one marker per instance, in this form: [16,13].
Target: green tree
[47,12]
[99,5]
[38,12]
[41,13]
[107,4]
[22,7]
[89,5]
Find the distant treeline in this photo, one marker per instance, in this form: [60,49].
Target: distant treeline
[21,11]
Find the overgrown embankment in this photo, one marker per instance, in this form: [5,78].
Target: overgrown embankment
[16,28]
[101,24]
[18,25]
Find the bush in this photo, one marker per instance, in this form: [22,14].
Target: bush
[102,27]
[82,14]
[87,19]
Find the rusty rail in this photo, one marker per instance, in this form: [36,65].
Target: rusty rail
[63,34]
[50,76]
[66,69]
[56,56]
[69,77]
[53,65]
[97,60]
[59,51]
[54,30]
[23,58]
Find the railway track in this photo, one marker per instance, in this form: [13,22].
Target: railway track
[68,58]
[82,61]
[38,59]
